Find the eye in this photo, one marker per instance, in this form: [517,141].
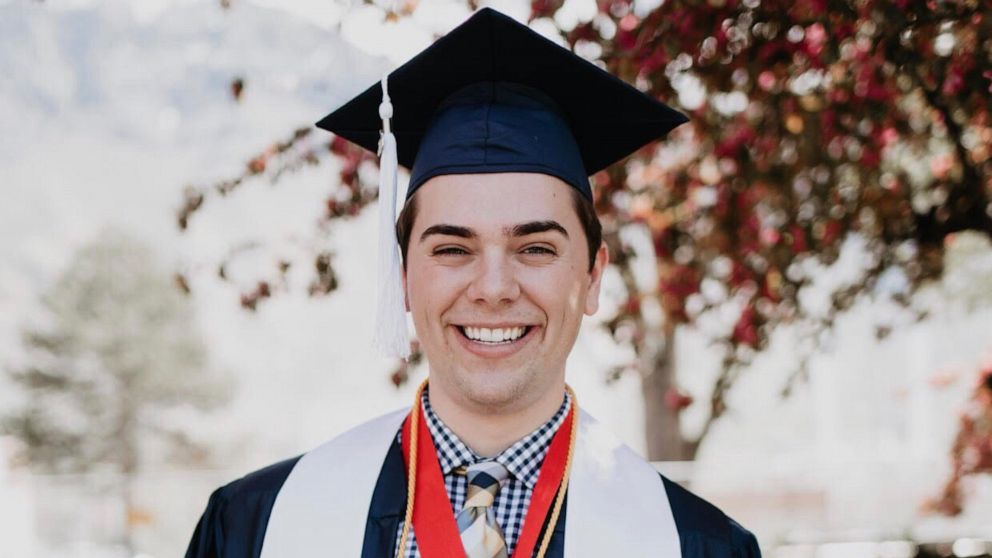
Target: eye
[449,251]
[539,250]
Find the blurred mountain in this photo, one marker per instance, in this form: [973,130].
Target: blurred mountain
[105,70]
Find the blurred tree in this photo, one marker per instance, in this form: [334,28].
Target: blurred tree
[815,124]
[110,374]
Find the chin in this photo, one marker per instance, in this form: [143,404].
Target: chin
[495,389]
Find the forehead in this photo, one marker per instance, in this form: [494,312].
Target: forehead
[493,199]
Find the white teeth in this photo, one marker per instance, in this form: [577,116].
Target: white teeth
[499,335]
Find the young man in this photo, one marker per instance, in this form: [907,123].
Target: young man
[502,256]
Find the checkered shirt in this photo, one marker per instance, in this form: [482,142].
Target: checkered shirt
[523,460]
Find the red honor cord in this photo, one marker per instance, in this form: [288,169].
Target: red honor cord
[433,519]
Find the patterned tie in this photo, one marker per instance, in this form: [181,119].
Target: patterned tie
[481,535]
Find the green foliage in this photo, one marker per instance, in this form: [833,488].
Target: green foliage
[114,364]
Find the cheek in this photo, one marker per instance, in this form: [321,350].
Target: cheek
[560,294]
[430,290]
[415,292]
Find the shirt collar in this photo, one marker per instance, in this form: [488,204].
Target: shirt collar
[522,459]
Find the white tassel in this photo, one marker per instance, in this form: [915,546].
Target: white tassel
[391,336]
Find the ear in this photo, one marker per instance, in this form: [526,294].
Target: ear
[406,293]
[596,279]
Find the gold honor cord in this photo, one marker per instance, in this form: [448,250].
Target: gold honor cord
[411,470]
[411,474]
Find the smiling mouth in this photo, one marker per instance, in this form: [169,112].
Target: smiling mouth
[493,336]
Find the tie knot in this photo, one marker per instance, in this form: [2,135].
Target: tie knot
[484,481]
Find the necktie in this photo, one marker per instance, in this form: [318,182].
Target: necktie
[481,535]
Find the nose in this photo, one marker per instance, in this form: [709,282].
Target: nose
[495,282]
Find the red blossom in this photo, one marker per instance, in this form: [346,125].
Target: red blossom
[257,165]
[628,22]
[816,37]
[766,80]
[870,158]
[746,332]
[799,244]
[720,34]
[676,400]
[686,25]
[730,147]
[661,241]
[626,40]
[769,236]
[831,232]
[654,62]
[543,8]
[739,275]
[889,136]
[838,96]
[632,306]
[680,281]
[954,82]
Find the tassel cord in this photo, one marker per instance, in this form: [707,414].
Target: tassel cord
[391,336]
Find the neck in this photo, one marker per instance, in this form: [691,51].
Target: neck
[489,431]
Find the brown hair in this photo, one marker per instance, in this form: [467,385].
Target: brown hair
[583,209]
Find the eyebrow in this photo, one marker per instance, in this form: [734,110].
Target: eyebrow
[448,230]
[523,229]
[535,227]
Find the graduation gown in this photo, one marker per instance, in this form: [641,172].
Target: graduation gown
[238,516]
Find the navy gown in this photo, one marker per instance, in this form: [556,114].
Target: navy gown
[233,525]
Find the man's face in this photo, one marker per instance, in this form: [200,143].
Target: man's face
[497,279]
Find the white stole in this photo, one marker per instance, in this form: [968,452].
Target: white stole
[617,505]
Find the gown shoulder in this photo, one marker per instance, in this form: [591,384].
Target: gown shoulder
[237,515]
[234,522]
[704,530]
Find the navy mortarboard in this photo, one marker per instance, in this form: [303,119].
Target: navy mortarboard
[494,96]
[491,97]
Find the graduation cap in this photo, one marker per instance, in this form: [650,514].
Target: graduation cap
[490,96]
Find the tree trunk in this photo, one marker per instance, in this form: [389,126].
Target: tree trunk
[128,455]
[664,437]
[127,496]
